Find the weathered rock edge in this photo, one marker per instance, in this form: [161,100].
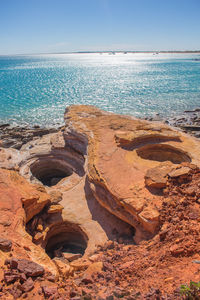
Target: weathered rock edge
[117,157]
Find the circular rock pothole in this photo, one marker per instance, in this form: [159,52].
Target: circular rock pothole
[50,171]
[162,152]
[65,240]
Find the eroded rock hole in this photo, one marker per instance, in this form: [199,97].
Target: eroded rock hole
[126,236]
[163,153]
[68,245]
[50,172]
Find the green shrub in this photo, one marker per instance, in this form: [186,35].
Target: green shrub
[191,291]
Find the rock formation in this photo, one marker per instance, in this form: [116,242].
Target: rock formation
[99,178]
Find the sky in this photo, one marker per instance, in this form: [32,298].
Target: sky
[51,26]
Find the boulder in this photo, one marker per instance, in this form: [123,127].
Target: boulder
[157,177]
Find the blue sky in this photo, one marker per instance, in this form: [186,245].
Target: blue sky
[34,26]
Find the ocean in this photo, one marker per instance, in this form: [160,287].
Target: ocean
[35,89]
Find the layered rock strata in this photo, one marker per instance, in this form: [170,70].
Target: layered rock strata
[99,178]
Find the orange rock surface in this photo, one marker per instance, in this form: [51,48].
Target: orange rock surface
[121,150]
[102,178]
[19,202]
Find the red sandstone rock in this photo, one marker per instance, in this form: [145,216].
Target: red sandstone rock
[11,276]
[5,245]
[57,208]
[120,151]
[28,285]
[49,291]
[87,279]
[94,267]
[183,171]
[29,268]
[157,177]
[16,291]
[71,256]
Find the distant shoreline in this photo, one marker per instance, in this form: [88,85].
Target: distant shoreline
[156,52]
[111,52]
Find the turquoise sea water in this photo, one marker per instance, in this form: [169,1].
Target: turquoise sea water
[36,89]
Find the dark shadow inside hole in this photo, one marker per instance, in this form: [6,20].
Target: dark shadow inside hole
[67,242]
[50,172]
[51,177]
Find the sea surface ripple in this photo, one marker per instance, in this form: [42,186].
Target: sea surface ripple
[36,89]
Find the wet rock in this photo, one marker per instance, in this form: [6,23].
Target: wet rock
[4,125]
[189,121]
[5,245]
[15,137]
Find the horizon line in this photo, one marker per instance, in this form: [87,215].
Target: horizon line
[106,51]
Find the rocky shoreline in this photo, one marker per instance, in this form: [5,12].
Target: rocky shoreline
[188,121]
[16,136]
[105,207]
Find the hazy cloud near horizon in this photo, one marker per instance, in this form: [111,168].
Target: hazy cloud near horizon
[36,26]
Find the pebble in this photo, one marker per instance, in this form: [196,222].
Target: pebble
[196,261]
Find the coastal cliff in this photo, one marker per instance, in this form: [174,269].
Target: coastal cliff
[107,200]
